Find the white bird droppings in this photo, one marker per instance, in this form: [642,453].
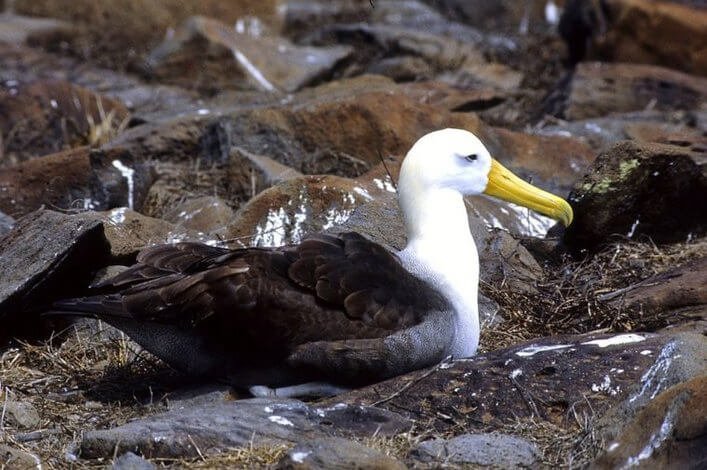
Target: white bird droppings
[281,420]
[532,350]
[298,457]
[129,174]
[618,339]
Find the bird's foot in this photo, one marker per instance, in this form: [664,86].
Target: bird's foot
[309,389]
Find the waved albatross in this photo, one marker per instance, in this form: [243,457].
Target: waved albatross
[336,310]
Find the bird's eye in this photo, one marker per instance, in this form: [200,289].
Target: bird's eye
[471,158]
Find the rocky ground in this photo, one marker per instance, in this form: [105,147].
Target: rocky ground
[126,124]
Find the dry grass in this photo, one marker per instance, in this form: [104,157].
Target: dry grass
[568,302]
[88,381]
[99,379]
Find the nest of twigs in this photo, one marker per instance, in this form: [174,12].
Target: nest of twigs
[568,300]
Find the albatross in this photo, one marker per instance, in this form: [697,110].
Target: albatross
[336,310]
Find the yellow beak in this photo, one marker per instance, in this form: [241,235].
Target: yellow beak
[505,185]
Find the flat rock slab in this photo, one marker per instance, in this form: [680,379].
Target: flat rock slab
[219,425]
[37,254]
[243,57]
[680,291]
[598,89]
[336,453]
[545,378]
[490,449]
[130,461]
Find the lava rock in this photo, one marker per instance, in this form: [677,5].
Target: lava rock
[668,127]
[17,29]
[15,458]
[135,30]
[6,224]
[248,56]
[51,255]
[638,31]
[285,213]
[679,290]
[496,450]
[218,426]
[336,453]
[639,189]
[542,378]
[130,461]
[670,432]
[378,117]
[598,89]
[50,116]
[77,179]
[204,214]
[20,415]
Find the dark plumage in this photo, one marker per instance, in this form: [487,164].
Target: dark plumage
[333,308]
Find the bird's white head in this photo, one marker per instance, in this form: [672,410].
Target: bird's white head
[449,158]
[456,160]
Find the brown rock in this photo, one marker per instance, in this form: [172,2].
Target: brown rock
[135,26]
[126,232]
[50,116]
[680,290]
[650,32]
[637,189]
[77,179]
[363,118]
[204,214]
[553,162]
[209,55]
[336,453]
[598,89]
[670,432]
[405,53]
[286,212]
[24,66]
[685,129]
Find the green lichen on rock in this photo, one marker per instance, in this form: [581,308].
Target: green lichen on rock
[626,167]
[606,184]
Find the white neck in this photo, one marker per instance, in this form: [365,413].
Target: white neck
[441,251]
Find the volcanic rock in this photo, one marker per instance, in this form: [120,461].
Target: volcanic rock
[670,432]
[336,453]
[492,449]
[50,116]
[73,180]
[228,424]
[638,189]
[598,89]
[51,255]
[678,291]
[638,31]
[220,57]
[543,378]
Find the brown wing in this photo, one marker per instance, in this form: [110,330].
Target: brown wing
[272,303]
